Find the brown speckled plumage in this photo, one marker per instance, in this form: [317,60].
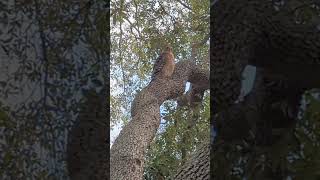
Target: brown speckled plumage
[164,65]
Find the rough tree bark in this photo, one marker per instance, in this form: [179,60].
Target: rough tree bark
[128,151]
[197,166]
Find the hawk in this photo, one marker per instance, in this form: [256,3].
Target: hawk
[164,65]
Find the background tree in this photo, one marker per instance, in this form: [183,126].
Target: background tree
[263,136]
[51,54]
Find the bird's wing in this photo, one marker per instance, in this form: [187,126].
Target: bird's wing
[158,65]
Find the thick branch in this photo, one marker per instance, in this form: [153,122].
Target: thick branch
[128,151]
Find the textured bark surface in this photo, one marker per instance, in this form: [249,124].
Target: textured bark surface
[198,165]
[128,151]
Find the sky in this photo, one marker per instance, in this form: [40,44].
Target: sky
[116,129]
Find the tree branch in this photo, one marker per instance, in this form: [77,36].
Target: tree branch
[184,5]
[128,150]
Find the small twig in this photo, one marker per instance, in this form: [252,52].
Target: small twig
[44,54]
[184,5]
[121,63]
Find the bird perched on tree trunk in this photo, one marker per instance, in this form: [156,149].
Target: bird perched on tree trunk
[164,65]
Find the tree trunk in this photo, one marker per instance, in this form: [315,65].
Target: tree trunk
[87,141]
[198,166]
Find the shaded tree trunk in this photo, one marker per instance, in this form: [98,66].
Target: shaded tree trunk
[197,166]
[87,156]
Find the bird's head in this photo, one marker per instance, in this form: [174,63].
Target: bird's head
[168,48]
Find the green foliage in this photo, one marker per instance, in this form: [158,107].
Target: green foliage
[4,118]
[307,164]
[304,12]
[139,31]
[13,145]
[179,135]
[295,154]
